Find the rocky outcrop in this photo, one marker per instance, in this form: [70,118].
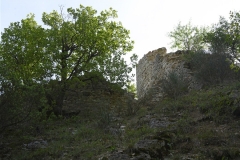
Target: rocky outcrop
[153,147]
[235,97]
[35,144]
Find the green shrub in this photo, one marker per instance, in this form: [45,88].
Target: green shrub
[210,69]
[105,118]
[19,105]
[132,108]
[174,85]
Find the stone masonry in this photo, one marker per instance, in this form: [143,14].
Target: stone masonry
[93,97]
[154,66]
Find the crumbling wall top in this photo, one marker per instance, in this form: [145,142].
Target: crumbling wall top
[155,65]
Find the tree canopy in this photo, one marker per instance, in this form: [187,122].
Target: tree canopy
[224,37]
[68,45]
[187,37]
[221,38]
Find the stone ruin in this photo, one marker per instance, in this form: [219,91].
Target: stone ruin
[95,96]
[154,66]
[149,72]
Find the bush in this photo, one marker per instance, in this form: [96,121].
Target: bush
[132,108]
[211,69]
[104,118]
[19,105]
[174,85]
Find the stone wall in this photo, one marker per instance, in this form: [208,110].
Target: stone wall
[92,98]
[154,66]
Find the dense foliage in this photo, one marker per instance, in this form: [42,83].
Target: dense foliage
[214,51]
[68,46]
[187,37]
[210,69]
[224,37]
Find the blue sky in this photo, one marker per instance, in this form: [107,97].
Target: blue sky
[149,21]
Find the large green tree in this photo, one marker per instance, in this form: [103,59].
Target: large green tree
[22,52]
[218,37]
[69,45]
[21,67]
[187,37]
[224,37]
[235,32]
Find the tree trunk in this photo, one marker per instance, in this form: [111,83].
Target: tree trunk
[63,87]
[59,102]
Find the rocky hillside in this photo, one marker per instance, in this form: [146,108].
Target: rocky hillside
[199,125]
